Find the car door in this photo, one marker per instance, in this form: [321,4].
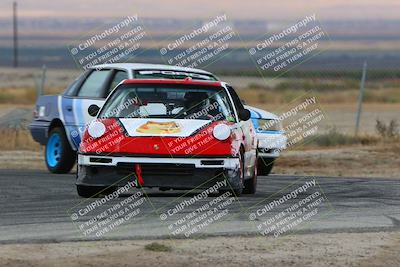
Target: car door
[93,89]
[250,141]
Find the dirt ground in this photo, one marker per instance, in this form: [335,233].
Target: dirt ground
[343,249]
[382,160]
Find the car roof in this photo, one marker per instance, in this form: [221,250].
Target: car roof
[146,66]
[257,113]
[172,81]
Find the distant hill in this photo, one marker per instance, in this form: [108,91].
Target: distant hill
[46,40]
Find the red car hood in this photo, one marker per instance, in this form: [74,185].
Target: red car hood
[159,137]
[162,127]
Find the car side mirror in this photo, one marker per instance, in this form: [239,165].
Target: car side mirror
[244,114]
[93,110]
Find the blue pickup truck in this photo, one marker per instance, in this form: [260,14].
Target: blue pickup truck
[60,120]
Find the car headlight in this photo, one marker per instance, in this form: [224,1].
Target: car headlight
[269,125]
[222,132]
[96,129]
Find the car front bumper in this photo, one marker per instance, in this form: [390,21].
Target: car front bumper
[169,172]
[270,145]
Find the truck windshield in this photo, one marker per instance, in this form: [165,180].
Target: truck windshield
[169,101]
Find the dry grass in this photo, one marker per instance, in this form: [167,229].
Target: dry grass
[327,89]
[23,95]
[254,91]
[335,138]
[254,96]
[12,139]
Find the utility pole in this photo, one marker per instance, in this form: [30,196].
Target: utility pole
[15,25]
[361,96]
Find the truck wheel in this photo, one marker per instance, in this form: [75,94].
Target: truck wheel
[265,165]
[250,185]
[60,158]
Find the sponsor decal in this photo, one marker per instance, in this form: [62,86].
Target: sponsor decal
[162,127]
[154,127]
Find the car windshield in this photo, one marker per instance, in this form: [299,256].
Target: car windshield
[169,101]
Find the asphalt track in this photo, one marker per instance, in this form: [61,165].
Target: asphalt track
[36,206]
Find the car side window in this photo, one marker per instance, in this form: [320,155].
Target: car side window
[119,76]
[94,84]
[236,100]
[73,86]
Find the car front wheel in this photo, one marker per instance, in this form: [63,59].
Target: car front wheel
[250,185]
[236,183]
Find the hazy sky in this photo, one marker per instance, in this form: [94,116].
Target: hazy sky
[257,9]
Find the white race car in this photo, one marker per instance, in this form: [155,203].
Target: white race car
[171,134]
[271,138]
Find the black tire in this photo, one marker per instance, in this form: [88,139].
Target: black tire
[66,157]
[238,188]
[250,185]
[238,183]
[93,191]
[265,165]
